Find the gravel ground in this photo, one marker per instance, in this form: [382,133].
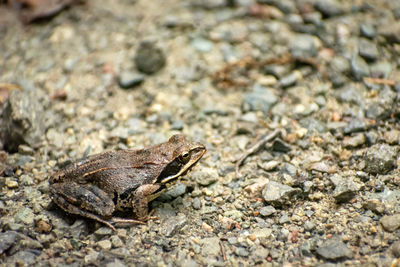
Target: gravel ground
[128,74]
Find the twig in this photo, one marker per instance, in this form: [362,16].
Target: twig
[254,148]
[379,81]
[222,250]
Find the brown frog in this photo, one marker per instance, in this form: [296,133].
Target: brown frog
[123,180]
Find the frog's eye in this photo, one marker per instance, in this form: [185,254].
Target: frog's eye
[184,157]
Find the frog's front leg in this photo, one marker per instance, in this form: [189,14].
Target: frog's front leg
[141,199]
[85,200]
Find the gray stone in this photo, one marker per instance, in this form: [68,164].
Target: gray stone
[345,190]
[211,247]
[309,226]
[380,159]
[288,80]
[128,79]
[260,99]
[205,176]
[25,215]
[22,120]
[355,125]
[392,137]
[196,203]
[278,194]
[368,50]
[173,224]
[391,32]
[149,58]
[395,248]
[7,240]
[202,45]
[241,252]
[334,250]
[368,30]
[303,46]
[25,257]
[390,222]
[174,192]
[329,8]
[267,211]
[359,67]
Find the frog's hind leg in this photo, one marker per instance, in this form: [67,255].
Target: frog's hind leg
[86,201]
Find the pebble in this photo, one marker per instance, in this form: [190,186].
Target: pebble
[354,125]
[104,244]
[380,159]
[149,58]
[267,211]
[368,50]
[259,99]
[395,248]
[202,45]
[346,190]
[390,222]
[309,226]
[128,79]
[211,247]
[196,203]
[359,67]
[392,137]
[278,194]
[205,176]
[173,224]
[354,141]
[24,107]
[334,250]
[25,215]
[303,46]
[241,252]
[329,8]
[368,30]
[8,239]
[374,205]
[391,33]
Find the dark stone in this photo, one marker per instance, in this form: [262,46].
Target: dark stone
[334,250]
[368,50]
[281,146]
[7,240]
[380,159]
[329,8]
[149,59]
[368,30]
[22,121]
[359,68]
[260,99]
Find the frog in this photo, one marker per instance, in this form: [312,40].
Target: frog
[123,180]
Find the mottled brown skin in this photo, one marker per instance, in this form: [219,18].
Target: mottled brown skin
[123,180]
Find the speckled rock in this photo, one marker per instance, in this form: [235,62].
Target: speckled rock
[334,250]
[149,58]
[390,222]
[279,194]
[380,158]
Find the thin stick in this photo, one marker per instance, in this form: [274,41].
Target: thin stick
[379,81]
[254,148]
[222,250]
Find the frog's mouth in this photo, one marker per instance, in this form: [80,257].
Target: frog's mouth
[176,169]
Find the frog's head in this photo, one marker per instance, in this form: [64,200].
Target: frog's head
[184,156]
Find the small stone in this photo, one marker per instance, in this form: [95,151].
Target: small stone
[116,241]
[395,248]
[267,211]
[276,193]
[43,227]
[392,137]
[211,247]
[368,30]
[345,190]
[25,150]
[368,50]
[8,239]
[354,141]
[25,215]
[91,257]
[241,252]
[103,231]
[289,80]
[321,166]
[374,205]
[334,250]
[12,184]
[173,224]
[206,176]
[354,126]
[260,99]
[391,32]
[127,79]
[359,67]
[380,159]
[309,226]
[303,46]
[196,203]
[115,263]
[281,146]
[390,222]
[149,59]
[329,8]
[202,45]
[104,244]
